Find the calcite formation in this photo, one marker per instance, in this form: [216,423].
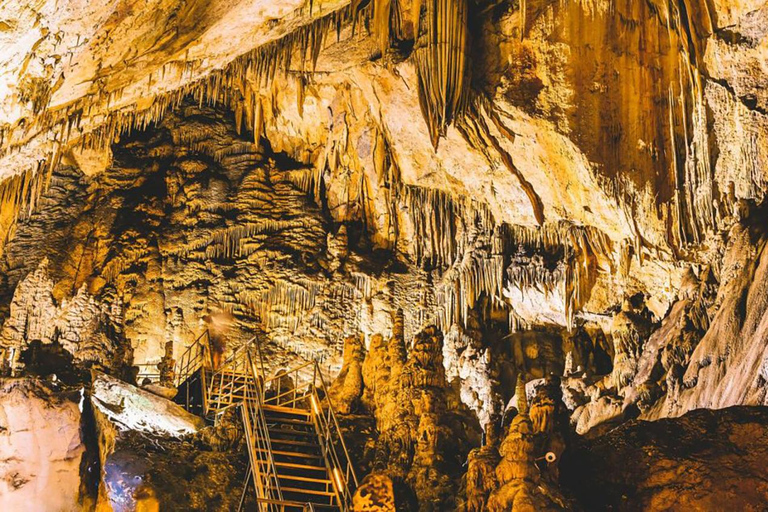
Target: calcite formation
[42,446]
[496,225]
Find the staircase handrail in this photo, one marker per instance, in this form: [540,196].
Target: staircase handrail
[339,465]
[193,358]
[292,395]
[256,342]
[224,385]
[257,435]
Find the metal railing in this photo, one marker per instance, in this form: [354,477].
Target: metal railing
[147,371]
[295,388]
[240,382]
[193,363]
[197,355]
[332,442]
[286,388]
[230,385]
[268,492]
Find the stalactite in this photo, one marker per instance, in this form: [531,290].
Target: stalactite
[233,242]
[283,304]
[363,283]
[124,258]
[515,322]
[20,194]
[303,179]
[381,23]
[532,274]
[464,284]
[258,65]
[443,225]
[441,61]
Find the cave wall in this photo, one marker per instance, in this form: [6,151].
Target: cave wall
[41,447]
[292,188]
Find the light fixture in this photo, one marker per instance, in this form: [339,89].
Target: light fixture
[315,405]
[338,480]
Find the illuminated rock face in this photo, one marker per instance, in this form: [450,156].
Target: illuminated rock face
[153,453]
[567,192]
[42,448]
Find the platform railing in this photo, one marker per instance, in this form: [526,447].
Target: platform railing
[147,371]
[196,356]
[229,385]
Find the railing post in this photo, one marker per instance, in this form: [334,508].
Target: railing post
[204,387]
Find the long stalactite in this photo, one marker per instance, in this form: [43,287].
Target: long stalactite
[441,58]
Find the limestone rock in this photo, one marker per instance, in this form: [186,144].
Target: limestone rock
[347,389]
[706,460]
[376,493]
[42,447]
[130,408]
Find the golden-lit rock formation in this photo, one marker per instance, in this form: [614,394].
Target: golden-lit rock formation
[496,225]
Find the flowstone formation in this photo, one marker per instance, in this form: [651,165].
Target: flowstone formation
[501,228]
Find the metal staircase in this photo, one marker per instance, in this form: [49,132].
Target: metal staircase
[298,458]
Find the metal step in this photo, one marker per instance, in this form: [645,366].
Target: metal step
[323,486]
[305,467]
[292,442]
[286,432]
[285,421]
[283,453]
[285,410]
[299,478]
[298,490]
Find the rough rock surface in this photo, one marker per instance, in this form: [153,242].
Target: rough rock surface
[156,456]
[129,408]
[704,460]
[599,151]
[41,448]
[494,198]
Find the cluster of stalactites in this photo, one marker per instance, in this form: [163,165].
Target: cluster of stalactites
[463,240]
[301,46]
[234,242]
[441,58]
[443,227]
[364,284]
[477,275]
[123,260]
[283,304]
[534,274]
[693,210]
[228,86]
[21,193]
[581,251]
